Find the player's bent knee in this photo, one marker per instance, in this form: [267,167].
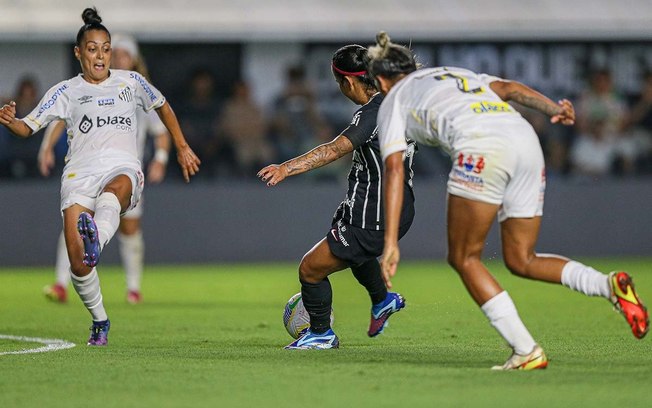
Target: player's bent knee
[516,265]
[307,273]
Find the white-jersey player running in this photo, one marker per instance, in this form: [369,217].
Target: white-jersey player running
[126,56]
[102,177]
[497,170]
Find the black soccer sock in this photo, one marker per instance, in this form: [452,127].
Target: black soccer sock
[369,276]
[318,301]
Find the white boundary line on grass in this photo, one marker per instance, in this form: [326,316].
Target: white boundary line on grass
[50,344]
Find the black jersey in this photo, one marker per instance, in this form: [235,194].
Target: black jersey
[363,206]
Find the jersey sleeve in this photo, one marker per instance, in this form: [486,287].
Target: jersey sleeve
[146,94]
[391,127]
[362,126]
[487,79]
[53,105]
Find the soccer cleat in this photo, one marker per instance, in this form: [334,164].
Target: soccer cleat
[134,297]
[99,333]
[56,293]
[88,232]
[627,302]
[315,341]
[535,360]
[382,311]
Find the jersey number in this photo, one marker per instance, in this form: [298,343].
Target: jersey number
[462,83]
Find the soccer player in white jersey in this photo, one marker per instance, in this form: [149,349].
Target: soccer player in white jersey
[102,177]
[126,55]
[497,170]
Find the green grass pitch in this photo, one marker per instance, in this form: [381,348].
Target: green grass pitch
[212,336]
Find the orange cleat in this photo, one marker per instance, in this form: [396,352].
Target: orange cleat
[627,302]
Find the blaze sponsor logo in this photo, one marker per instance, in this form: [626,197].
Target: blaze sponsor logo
[85,99]
[491,107]
[106,102]
[119,122]
[126,95]
[148,90]
[50,102]
[85,125]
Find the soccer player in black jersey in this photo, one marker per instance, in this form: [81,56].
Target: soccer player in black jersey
[356,237]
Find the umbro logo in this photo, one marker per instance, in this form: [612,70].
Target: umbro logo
[85,99]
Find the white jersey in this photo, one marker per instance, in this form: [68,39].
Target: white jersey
[442,107]
[101,119]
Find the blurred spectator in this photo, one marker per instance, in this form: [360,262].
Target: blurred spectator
[593,152]
[296,123]
[242,126]
[599,102]
[18,156]
[198,116]
[639,125]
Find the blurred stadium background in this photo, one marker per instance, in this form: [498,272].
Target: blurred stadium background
[597,53]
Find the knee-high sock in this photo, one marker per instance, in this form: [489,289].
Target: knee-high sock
[62,265]
[318,300]
[369,276]
[585,279]
[107,216]
[502,315]
[88,289]
[132,250]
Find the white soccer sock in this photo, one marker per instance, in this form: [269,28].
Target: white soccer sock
[585,279]
[62,265]
[107,216]
[132,250]
[88,289]
[502,315]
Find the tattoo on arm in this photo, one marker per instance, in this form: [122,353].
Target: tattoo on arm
[319,156]
[535,101]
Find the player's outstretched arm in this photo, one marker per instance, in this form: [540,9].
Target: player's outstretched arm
[15,126]
[315,158]
[45,158]
[157,167]
[393,196]
[188,160]
[561,112]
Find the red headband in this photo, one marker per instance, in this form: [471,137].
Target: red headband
[339,71]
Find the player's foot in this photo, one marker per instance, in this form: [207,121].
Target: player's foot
[535,360]
[627,302]
[88,231]
[382,311]
[315,341]
[56,293]
[134,297]
[99,333]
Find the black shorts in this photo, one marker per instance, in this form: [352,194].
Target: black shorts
[356,245]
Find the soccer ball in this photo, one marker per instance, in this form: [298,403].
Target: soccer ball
[296,318]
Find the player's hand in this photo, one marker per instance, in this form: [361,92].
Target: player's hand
[567,116]
[389,262]
[8,113]
[188,161]
[155,172]
[45,161]
[273,174]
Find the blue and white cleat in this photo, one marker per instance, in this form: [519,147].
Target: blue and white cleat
[382,311]
[88,232]
[315,341]
[99,333]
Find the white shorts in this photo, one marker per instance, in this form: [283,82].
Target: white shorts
[505,168]
[83,186]
[136,212]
